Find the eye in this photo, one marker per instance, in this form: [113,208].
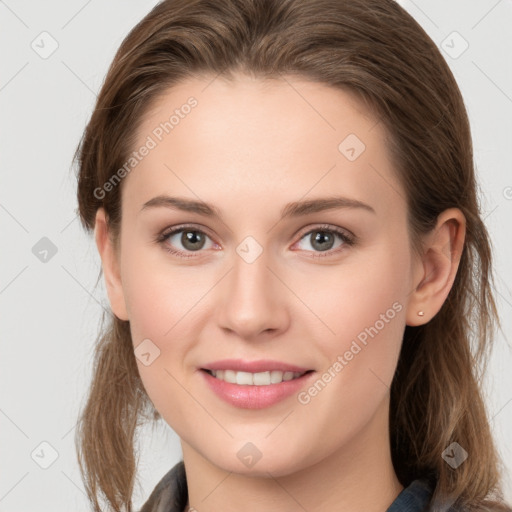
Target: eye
[190,238]
[322,239]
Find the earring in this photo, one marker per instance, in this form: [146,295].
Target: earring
[421,313]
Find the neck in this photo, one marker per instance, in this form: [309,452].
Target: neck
[359,475]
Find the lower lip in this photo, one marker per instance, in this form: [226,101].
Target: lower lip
[254,397]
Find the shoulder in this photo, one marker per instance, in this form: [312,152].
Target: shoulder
[170,494]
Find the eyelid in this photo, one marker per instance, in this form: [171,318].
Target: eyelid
[304,231]
[181,227]
[326,227]
[346,235]
[163,235]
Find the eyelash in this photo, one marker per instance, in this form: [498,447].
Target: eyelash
[326,228]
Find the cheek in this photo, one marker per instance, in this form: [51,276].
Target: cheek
[160,302]
[166,304]
[351,296]
[161,296]
[362,311]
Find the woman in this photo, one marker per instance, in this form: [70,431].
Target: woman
[316,342]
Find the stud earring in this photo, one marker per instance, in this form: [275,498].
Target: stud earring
[421,313]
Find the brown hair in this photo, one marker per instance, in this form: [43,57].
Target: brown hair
[376,50]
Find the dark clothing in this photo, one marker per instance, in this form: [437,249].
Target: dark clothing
[171,495]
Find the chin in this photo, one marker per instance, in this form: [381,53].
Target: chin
[275,464]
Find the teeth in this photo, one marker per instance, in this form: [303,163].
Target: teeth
[254,379]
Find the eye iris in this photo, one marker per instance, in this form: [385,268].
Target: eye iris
[321,240]
[321,236]
[191,237]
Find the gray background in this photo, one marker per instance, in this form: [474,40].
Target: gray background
[51,310]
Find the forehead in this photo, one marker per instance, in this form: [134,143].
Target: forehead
[249,138]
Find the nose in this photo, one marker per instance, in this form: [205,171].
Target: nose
[253,300]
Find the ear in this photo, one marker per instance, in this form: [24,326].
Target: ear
[110,266]
[437,269]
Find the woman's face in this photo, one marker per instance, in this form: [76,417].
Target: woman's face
[266,279]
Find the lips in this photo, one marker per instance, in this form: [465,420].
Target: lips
[250,395]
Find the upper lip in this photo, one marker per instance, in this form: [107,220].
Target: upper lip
[261,365]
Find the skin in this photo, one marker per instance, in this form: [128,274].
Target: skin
[250,147]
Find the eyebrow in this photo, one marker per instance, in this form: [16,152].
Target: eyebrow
[294,209]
